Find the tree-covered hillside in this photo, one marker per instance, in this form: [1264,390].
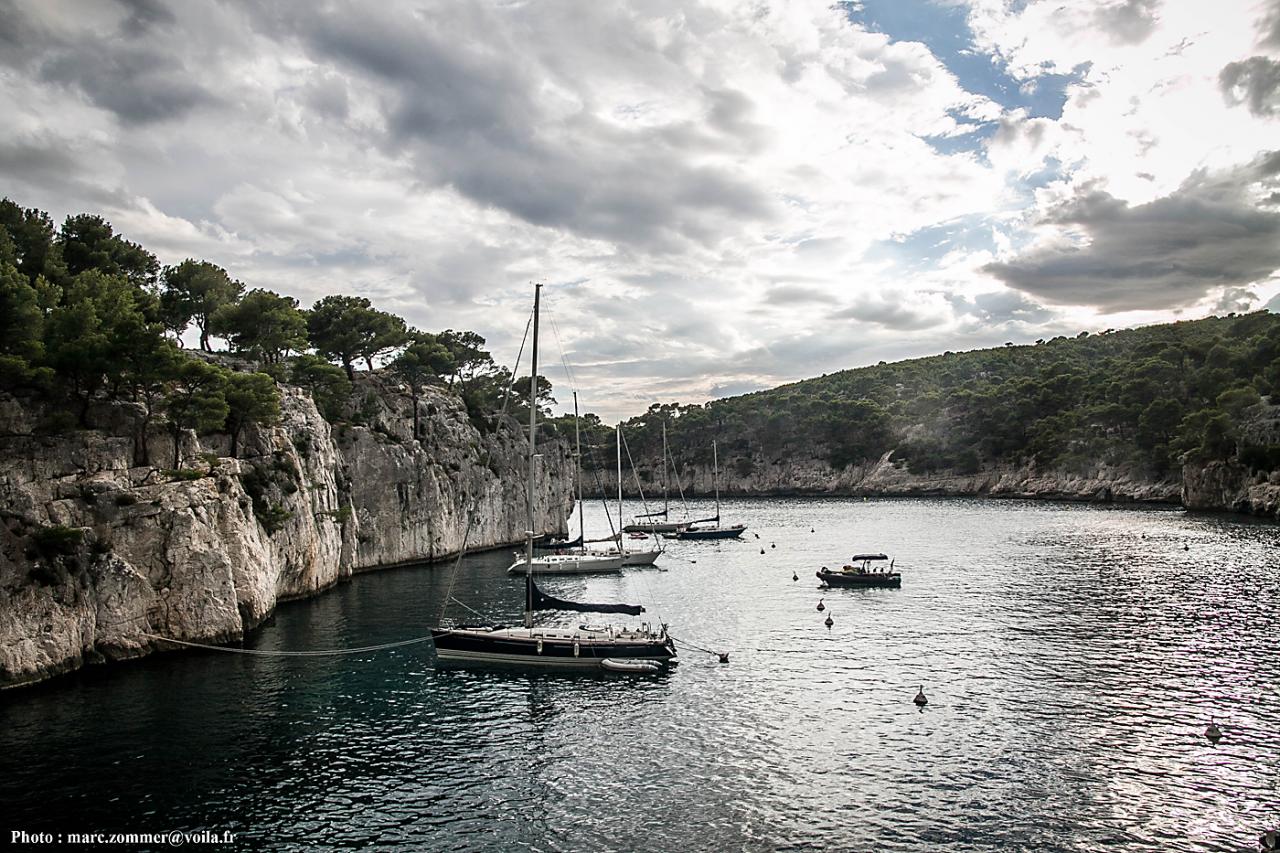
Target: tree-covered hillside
[86,315]
[1146,398]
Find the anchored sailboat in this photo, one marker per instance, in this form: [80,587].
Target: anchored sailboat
[563,647]
[643,557]
[572,558]
[641,523]
[716,532]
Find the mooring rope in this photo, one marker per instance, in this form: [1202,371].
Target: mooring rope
[278,654]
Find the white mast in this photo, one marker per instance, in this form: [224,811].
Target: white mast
[715,476]
[620,524]
[577,472]
[533,461]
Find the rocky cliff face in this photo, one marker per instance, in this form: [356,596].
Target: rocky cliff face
[792,476]
[100,555]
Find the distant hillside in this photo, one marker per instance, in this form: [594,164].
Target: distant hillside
[1141,400]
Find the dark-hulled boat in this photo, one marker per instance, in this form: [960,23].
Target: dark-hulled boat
[693,531]
[862,570]
[551,646]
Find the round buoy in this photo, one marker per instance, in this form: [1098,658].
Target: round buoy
[821,606]
[1186,547]
[1212,732]
[810,529]
[724,657]
[794,576]
[761,550]
[920,699]
[772,545]
[829,621]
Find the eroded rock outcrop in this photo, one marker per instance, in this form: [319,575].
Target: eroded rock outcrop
[100,555]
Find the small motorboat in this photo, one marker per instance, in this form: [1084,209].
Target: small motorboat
[862,570]
[638,666]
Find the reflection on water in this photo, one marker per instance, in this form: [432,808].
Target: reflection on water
[1072,655]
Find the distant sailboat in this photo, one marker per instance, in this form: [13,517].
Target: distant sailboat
[716,532]
[561,647]
[642,557]
[572,558]
[641,524]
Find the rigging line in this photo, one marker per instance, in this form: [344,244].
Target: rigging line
[679,486]
[281,654]
[694,645]
[591,457]
[564,360]
[488,453]
[635,475]
[464,604]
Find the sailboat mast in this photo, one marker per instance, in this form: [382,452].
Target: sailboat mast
[666,498]
[620,524]
[715,477]
[533,462]
[577,472]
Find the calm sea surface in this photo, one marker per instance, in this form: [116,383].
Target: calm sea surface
[1072,656]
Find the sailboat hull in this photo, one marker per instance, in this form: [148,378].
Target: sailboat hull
[655,527]
[640,558]
[712,532]
[569,564]
[561,648]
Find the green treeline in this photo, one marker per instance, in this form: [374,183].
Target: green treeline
[1147,398]
[86,315]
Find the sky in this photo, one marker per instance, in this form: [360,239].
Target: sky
[718,196]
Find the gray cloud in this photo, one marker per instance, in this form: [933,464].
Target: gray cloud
[1270,25]
[889,313]
[479,120]
[1254,81]
[1130,21]
[145,15]
[797,294]
[1170,252]
[1000,307]
[139,82]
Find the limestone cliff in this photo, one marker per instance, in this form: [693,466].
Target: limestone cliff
[752,475]
[99,554]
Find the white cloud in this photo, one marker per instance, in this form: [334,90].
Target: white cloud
[701,185]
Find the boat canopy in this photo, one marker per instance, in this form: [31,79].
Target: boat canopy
[542,601]
[859,557]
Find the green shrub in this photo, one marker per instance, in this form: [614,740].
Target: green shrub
[126,499]
[57,540]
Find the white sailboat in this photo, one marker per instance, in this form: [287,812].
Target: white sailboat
[642,523]
[576,560]
[562,647]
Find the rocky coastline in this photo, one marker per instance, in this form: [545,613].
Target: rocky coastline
[100,554]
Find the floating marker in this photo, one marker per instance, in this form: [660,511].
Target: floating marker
[1212,732]
[794,576]
[829,621]
[771,545]
[724,656]
[920,699]
[821,606]
[761,550]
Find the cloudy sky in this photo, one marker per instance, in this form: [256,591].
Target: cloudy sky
[720,196]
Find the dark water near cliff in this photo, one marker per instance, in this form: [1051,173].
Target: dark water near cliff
[1072,656]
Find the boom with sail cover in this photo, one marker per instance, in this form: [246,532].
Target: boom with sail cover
[542,601]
